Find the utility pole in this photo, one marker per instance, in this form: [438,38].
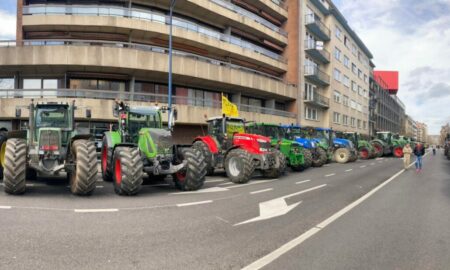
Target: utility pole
[172,6]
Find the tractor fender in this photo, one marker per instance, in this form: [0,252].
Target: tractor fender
[210,142]
[112,138]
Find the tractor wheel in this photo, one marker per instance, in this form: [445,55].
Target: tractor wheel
[379,152]
[321,158]
[83,178]
[277,172]
[364,153]
[239,166]
[307,161]
[342,155]
[127,171]
[398,152]
[106,156]
[15,166]
[202,147]
[192,177]
[2,141]
[353,157]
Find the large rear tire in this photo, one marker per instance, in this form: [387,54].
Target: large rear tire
[127,171]
[15,166]
[2,141]
[277,172]
[398,152]
[191,177]
[239,166]
[321,158]
[342,155]
[106,158]
[204,149]
[379,152]
[83,178]
[364,153]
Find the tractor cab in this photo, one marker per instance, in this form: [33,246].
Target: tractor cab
[386,137]
[51,122]
[223,129]
[142,118]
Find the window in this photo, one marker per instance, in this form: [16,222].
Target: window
[346,61]
[345,101]
[354,49]
[346,81]
[359,123]
[353,104]
[309,91]
[359,107]
[354,86]
[94,84]
[337,75]
[6,83]
[364,125]
[345,120]
[354,69]
[311,114]
[360,74]
[353,122]
[337,32]
[32,84]
[365,93]
[346,41]
[360,90]
[337,96]
[366,79]
[336,118]
[337,54]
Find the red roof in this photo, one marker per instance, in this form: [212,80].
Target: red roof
[388,78]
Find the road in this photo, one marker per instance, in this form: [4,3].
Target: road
[334,217]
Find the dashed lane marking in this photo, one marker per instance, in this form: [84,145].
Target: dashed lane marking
[253,183]
[215,180]
[99,187]
[107,210]
[363,166]
[261,191]
[194,203]
[203,190]
[226,184]
[301,182]
[349,170]
[5,207]
[331,174]
[326,165]
[373,163]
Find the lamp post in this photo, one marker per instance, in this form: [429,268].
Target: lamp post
[172,5]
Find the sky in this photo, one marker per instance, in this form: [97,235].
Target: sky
[411,36]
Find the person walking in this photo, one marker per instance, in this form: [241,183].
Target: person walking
[434,151]
[407,151]
[419,152]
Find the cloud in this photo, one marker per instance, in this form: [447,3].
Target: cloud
[410,36]
[7,25]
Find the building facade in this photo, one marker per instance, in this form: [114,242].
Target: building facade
[410,127]
[444,134]
[422,132]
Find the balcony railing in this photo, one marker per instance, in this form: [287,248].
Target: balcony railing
[316,75]
[128,96]
[322,5]
[113,44]
[317,99]
[147,15]
[250,15]
[317,53]
[317,27]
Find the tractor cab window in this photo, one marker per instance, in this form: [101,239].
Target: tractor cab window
[383,136]
[56,117]
[136,121]
[215,127]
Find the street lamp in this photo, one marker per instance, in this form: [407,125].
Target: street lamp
[172,5]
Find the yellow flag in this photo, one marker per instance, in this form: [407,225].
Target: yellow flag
[228,108]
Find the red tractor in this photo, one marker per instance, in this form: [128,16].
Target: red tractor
[240,154]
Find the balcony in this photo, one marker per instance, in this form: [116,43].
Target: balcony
[320,54]
[315,75]
[317,100]
[322,5]
[317,28]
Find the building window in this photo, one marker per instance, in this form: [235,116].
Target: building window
[346,41]
[360,90]
[345,120]
[346,61]
[345,101]
[359,123]
[354,49]
[337,32]
[353,104]
[354,86]
[337,54]
[280,106]
[360,74]
[336,118]
[354,69]
[337,75]
[32,84]
[6,83]
[364,125]
[309,91]
[346,81]
[94,84]
[337,96]
[311,114]
[353,122]
[366,79]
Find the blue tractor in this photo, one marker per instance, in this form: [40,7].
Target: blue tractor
[339,150]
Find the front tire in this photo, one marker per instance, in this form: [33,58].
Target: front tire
[127,171]
[204,149]
[379,152]
[321,158]
[106,158]
[398,152]
[364,153]
[192,177]
[342,155]
[239,166]
[307,156]
[84,176]
[277,172]
[15,166]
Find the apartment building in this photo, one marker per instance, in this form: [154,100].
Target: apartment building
[410,129]
[336,71]
[422,132]
[101,50]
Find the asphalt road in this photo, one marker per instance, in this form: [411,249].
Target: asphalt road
[404,225]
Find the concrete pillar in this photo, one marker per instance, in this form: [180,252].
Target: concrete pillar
[132,84]
[227,31]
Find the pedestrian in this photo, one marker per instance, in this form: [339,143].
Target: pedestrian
[419,152]
[434,151]
[407,151]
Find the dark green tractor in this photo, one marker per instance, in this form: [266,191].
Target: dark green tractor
[387,143]
[293,152]
[141,145]
[365,149]
[51,144]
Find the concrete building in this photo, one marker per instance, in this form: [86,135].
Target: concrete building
[410,127]
[422,132]
[336,70]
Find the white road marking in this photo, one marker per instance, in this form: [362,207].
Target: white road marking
[5,207]
[194,203]
[226,184]
[204,190]
[277,207]
[301,182]
[96,210]
[363,166]
[99,186]
[373,163]
[349,170]
[252,183]
[331,174]
[215,180]
[380,158]
[269,258]
[326,165]
[261,191]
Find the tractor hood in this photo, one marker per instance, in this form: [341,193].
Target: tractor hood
[305,143]
[259,138]
[154,141]
[343,143]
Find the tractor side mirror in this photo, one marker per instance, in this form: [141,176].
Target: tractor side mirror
[18,112]
[88,113]
[115,111]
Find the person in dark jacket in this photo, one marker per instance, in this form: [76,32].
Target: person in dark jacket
[419,152]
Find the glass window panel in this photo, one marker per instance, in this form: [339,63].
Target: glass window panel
[50,84]
[6,83]
[32,84]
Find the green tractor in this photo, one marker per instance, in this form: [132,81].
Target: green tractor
[365,149]
[50,145]
[141,145]
[387,143]
[295,155]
